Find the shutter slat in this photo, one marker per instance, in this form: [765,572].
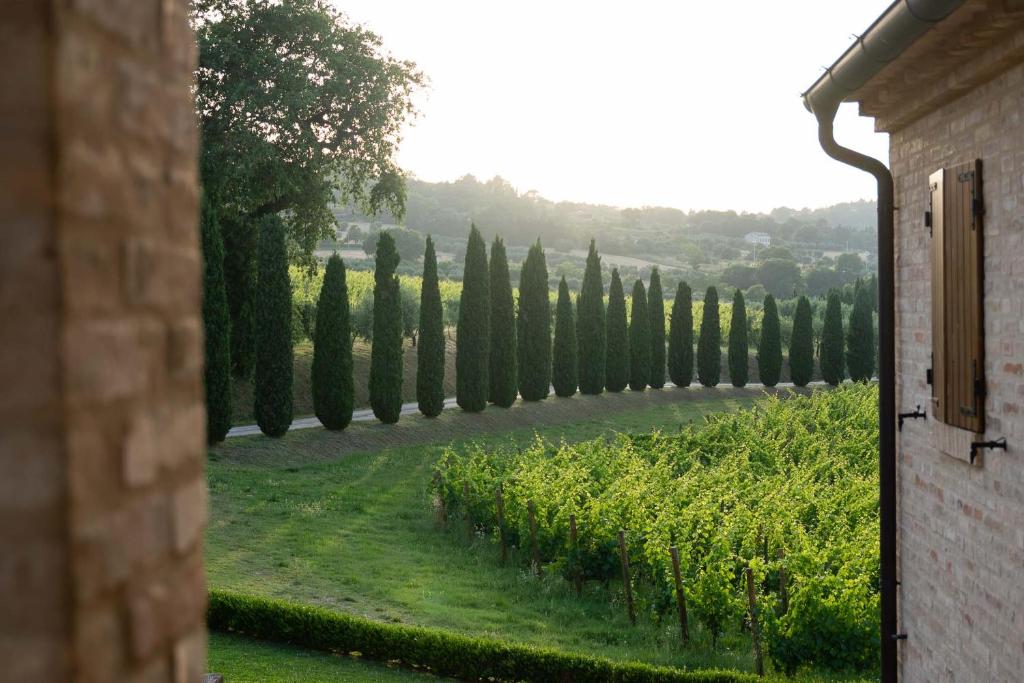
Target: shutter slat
[938,296]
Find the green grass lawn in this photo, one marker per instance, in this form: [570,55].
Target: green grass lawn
[242,660]
[357,534]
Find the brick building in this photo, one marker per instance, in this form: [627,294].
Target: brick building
[945,78]
[102,492]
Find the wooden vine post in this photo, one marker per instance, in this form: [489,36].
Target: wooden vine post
[783,581]
[534,551]
[440,513]
[574,541]
[755,630]
[680,595]
[469,517]
[500,501]
[625,576]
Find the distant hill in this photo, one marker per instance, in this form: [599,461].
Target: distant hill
[447,208]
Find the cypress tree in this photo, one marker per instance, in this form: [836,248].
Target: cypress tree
[639,339]
[656,308]
[534,326]
[590,326]
[831,356]
[503,386]
[801,344]
[332,350]
[473,339]
[241,242]
[386,351]
[564,373]
[738,346]
[709,344]
[680,337]
[272,373]
[769,346]
[860,341]
[217,329]
[617,334]
[430,350]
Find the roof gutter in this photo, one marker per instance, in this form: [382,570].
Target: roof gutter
[897,29]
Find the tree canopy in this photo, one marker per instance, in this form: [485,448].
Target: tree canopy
[298,105]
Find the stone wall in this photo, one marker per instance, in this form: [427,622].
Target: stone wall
[103,498]
[961,527]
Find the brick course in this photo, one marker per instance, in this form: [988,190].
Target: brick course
[961,545]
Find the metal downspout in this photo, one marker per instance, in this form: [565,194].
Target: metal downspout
[886,382]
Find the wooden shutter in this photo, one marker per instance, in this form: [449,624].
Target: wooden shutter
[958,342]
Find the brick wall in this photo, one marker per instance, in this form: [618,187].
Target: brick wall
[962,527]
[103,497]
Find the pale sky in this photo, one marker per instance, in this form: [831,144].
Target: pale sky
[677,103]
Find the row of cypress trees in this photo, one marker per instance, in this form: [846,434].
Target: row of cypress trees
[500,352]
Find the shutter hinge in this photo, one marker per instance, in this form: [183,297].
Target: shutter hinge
[928,221]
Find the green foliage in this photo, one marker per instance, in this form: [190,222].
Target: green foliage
[386,353]
[590,326]
[798,475]
[410,243]
[430,352]
[801,344]
[564,375]
[860,340]
[216,329]
[709,344]
[333,390]
[769,346]
[831,356]
[617,359]
[680,338]
[241,242]
[443,652]
[779,276]
[738,345]
[639,340]
[503,385]
[272,392]
[286,124]
[534,326]
[474,329]
[656,309]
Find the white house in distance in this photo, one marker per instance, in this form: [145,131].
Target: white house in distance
[759,238]
[945,79]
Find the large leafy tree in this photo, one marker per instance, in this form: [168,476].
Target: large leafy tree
[680,337]
[738,346]
[564,373]
[534,326]
[801,344]
[297,106]
[831,357]
[272,391]
[616,369]
[709,344]
[217,330]
[502,385]
[860,343]
[656,310]
[331,374]
[769,346]
[639,339]
[590,326]
[430,350]
[386,352]
[473,332]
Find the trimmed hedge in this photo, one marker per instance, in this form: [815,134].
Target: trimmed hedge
[444,653]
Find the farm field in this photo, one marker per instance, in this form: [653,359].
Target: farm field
[296,520]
